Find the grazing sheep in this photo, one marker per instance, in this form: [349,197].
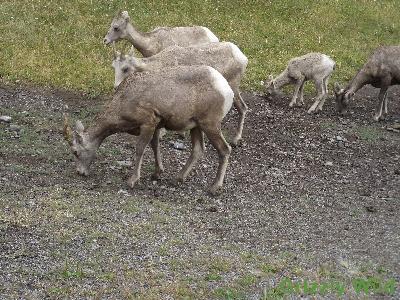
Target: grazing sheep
[194,98]
[312,66]
[381,71]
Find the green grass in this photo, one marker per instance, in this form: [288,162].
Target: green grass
[59,43]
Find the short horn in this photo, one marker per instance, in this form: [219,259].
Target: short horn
[67,130]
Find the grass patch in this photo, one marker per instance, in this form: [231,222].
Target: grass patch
[60,43]
[369,134]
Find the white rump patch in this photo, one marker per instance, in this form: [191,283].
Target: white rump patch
[327,61]
[220,83]
[238,54]
[212,37]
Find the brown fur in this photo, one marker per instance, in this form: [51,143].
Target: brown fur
[381,71]
[150,43]
[192,98]
[224,57]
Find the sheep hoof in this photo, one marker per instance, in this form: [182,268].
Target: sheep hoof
[377,118]
[236,141]
[215,190]
[132,181]
[177,181]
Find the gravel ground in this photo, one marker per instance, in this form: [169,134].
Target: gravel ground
[313,197]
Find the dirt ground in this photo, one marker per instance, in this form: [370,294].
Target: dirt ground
[312,197]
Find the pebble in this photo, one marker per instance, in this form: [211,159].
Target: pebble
[124,163]
[329,164]
[5,119]
[123,192]
[177,145]
[14,127]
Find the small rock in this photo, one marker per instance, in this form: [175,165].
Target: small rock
[124,163]
[212,209]
[396,126]
[339,138]
[177,145]
[370,208]
[5,119]
[340,144]
[329,164]
[123,192]
[14,127]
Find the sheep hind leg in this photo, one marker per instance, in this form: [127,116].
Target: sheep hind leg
[386,105]
[382,98]
[241,107]
[216,138]
[320,88]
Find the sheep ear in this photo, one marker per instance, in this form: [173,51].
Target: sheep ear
[125,15]
[270,77]
[131,51]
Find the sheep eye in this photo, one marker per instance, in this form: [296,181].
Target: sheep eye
[125,70]
[75,153]
[116,29]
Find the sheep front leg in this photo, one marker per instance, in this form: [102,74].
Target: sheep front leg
[301,97]
[325,85]
[299,83]
[146,134]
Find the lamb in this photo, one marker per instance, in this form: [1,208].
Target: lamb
[150,43]
[312,66]
[194,98]
[225,57]
[381,71]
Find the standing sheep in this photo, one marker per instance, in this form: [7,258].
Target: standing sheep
[150,43]
[312,66]
[225,57]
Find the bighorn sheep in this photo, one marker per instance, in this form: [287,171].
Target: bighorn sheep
[381,71]
[194,98]
[225,57]
[312,66]
[150,43]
